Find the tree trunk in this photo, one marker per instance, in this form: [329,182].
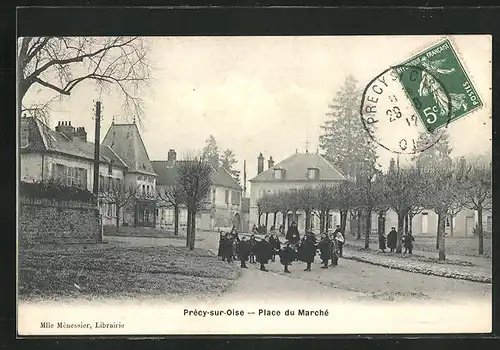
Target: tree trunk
[284,221]
[117,218]
[401,220]
[188,227]
[193,230]
[437,238]
[274,220]
[343,220]
[322,220]
[406,223]
[308,220]
[480,234]
[440,234]
[368,227]
[358,224]
[451,225]
[410,222]
[380,224]
[258,220]
[267,218]
[176,220]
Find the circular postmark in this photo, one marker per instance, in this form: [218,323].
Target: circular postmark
[405,108]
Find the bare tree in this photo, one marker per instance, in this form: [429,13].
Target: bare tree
[61,64]
[195,182]
[174,197]
[405,189]
[478,193]
[118,195]
[446,186]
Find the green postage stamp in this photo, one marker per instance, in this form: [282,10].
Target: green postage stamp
[438,86]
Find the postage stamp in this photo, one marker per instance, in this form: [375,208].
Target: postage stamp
[441,91]
[418,98]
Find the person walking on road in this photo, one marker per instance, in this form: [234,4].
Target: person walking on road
[244,251]
[264,252]
[292,234]
[287,255]
[381,242]
[392,239]
[253,246]
[408,240]
[325,250]
[334,249]
[307,250]
[275,244]
[339,237]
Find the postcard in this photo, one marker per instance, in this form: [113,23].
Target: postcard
[188,185]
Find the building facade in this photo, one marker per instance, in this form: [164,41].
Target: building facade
[65,155]
[126,141]
[301,170]
[223,204]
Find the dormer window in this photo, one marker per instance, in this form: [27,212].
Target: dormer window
[279,174]
[312,174]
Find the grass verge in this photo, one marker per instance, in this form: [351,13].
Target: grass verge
[58,272]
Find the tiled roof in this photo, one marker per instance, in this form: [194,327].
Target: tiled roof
[167,174]
[126,141]
[296,167]
[42,138]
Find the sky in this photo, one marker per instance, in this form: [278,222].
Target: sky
[266,94]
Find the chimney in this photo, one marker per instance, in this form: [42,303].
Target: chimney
[260,163]
[392,165]
[65,128]
[172,155]
[270,162]
[81,133]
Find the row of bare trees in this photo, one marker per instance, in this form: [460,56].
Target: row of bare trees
[446,189]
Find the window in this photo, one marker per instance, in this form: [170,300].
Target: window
[488,223]
[110,209]
[101,182]
[110,183]
[110,168]
[227,196]
[279,174]
[312,174]
[329,221]
[147,190]
[235,198]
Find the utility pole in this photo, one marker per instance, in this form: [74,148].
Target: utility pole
[97,147]
[244,178]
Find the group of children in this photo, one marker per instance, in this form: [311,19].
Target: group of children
[392,238]
[231,247]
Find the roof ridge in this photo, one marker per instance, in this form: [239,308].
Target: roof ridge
[116,154]
[330,164]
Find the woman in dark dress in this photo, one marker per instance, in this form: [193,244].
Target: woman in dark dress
[264,252]
[392,239]
[244,251]
[307,250]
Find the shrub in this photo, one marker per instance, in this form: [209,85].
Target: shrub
[55,190]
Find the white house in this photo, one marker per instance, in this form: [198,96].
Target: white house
[224,202]
[297,171]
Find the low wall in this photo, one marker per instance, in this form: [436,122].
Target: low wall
[50,221]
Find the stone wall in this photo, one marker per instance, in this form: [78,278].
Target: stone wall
[49,221]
